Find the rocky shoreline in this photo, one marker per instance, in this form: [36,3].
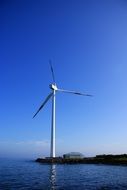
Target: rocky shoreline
[99,159]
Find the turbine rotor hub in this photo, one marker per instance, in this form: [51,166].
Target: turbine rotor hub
[53,86]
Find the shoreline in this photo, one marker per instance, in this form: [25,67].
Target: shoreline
[93,160]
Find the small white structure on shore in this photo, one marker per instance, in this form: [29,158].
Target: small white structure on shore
[73,155]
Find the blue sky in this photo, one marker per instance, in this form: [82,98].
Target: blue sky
[87,42]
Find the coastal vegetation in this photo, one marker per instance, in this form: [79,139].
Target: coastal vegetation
[98,159]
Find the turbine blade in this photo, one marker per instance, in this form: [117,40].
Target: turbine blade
[73,92]
[46,100]
[53,76]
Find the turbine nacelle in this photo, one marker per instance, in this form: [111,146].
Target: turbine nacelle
[53,87]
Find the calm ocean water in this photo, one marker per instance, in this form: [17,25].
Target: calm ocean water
[29,175]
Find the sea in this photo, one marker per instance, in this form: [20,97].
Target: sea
[30,175]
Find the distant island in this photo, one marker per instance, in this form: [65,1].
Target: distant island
[98,159]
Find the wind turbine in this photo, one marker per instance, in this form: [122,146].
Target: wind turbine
[55,89]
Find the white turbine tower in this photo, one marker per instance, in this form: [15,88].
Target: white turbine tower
[54,89]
